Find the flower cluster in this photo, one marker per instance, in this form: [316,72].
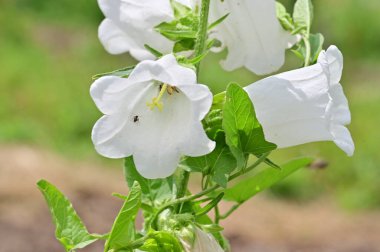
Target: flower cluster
[155,114]
[158,116]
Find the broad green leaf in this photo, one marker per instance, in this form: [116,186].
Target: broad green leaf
[123,72]
[70,230]
[123,230]
[218,164]
[179,29]
[244,134]
[153,191]
[303,14]
[316,44]
[162,241]
[284,17]
[248,188]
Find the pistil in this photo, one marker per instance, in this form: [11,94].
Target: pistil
[156,101]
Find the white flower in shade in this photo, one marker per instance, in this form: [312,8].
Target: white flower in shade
[252,33]
[305,105]
[155,115]
[204,242]
[129,25]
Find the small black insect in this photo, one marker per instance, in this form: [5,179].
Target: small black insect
[136,119]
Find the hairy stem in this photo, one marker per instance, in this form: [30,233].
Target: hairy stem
[200,46]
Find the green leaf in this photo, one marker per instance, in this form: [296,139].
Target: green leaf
[70,230]
[244,134]
[316,44]
[184,28]
[162,241]
[153,191]
[184,45]
[123,72]
[284,17]
[153,51]
[217,22]
[248,188]
[219,164]
[180,10]
[123,230]
[303,14]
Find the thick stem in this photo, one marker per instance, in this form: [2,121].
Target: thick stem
[200,44]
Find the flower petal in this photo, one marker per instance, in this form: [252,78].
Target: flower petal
[109,137]
[201,98]
[252,33]
[156,163]
[165,70]
[304,105]
[197,144]
[130,25]
[111,93]
[342,138]
[114,40]
[292,111]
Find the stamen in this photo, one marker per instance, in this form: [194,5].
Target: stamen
[156,101]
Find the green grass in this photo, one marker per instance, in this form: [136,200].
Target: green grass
[49,50]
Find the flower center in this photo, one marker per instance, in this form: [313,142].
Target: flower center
[156,101]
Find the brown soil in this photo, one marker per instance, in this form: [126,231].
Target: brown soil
[262,225]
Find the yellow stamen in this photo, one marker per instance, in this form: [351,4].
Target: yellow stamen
[156,101]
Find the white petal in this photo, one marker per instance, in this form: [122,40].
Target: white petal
[343,139]
[111,93]
[157,163]
[292,111]
[334,60]
[252,34]
[132,26]
[205,242]
[304,106]
[198,143]
[200,96]
[114,40]
[165,70]
[109,137]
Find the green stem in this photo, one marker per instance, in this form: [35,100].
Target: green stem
[308,50]
[217,214]
[200,43]
[250,168]
[134,244]
[200,46]
[229,212]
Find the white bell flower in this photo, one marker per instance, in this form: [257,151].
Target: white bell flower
[252,33]
[204,242]
[129,25]
[155,115]
[305,105]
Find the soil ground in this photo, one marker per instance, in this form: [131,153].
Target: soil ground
[262,225]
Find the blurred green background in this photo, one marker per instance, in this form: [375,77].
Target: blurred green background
[49,50]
